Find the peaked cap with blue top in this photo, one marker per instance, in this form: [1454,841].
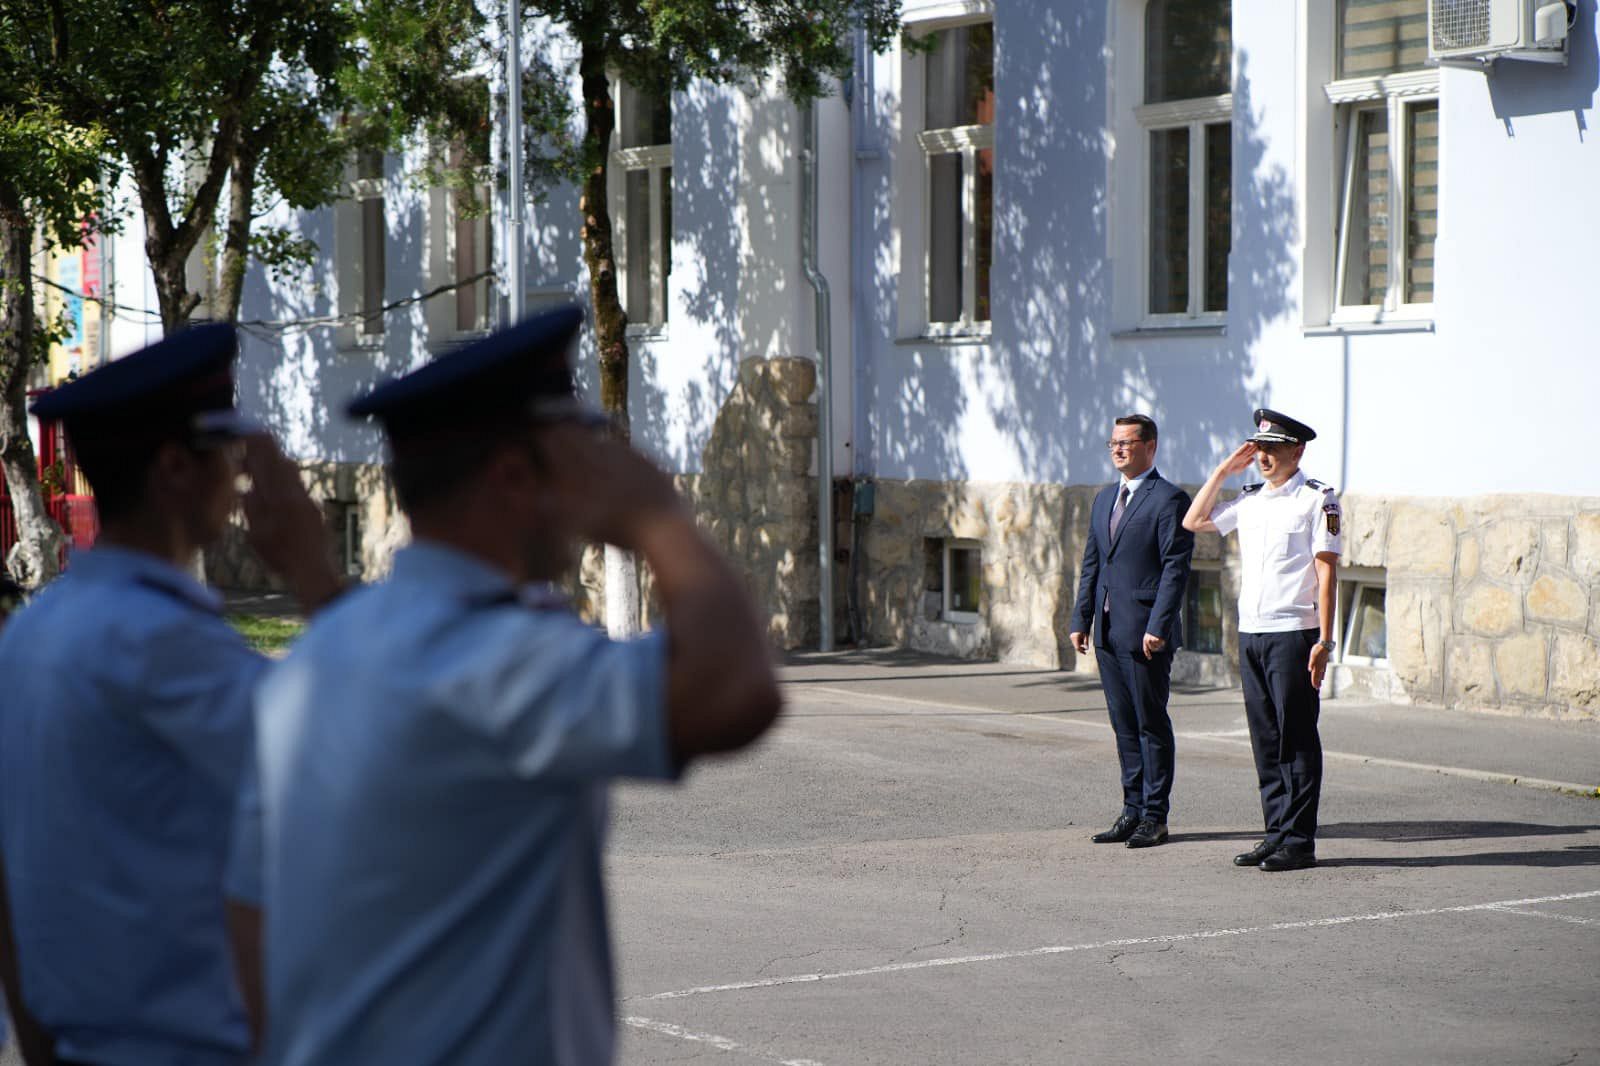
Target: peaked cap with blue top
[522,374]
[180,387]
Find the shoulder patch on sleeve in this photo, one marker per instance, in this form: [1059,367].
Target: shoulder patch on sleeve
[1248,489]
[1330,514]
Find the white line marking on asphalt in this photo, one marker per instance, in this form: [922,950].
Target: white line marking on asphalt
[1494,776]
[721,1043]
[1125,942]
[1573,918]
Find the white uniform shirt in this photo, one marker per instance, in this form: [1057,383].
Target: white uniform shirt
[1281,532]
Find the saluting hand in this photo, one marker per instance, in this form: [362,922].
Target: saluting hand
[286,527]
[608,490]
[1240,460]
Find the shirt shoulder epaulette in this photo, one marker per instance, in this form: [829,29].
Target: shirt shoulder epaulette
[1319,486]
[1248,489]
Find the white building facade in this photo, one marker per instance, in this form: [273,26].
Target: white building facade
[1057,214]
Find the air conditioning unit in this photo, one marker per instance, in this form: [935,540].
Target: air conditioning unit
[1478,32]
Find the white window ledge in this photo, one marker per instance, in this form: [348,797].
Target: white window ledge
[455,340]
[1341,329]
[1175,329]
[643,331]
[950,337]
[363,344]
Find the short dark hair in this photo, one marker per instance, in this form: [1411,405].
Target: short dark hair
[116,471]
[429,470]
[1146,424]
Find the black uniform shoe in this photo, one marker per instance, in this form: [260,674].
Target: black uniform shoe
[1120,830]
[1289,857]
[1254,856]
[1148,835]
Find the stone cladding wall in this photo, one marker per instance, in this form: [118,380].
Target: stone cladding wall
[1493,603]
[338,487]
[756,499]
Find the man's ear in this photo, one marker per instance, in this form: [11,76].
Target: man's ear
[174,469]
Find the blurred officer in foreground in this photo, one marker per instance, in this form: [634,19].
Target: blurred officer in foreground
[125,721]
[435,751]
[1289,561]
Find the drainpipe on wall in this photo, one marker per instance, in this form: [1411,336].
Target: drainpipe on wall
[865,149]
[516,294]
[808,260]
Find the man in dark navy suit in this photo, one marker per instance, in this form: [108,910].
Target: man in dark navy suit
[1135,570]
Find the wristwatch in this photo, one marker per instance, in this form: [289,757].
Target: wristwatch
[1328,645]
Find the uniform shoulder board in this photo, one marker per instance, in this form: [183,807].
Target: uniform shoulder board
[1248,489]
[1319,486]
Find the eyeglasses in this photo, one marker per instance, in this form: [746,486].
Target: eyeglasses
[1119,445]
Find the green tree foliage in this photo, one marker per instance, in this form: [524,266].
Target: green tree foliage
[213,108]
[216,108]
[663,45]
[50,171]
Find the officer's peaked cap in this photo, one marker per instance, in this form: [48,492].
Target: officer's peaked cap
[510,376]
[1273,427]
[181,385]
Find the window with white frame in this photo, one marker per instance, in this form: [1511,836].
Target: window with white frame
[957,144]
[963,580]
[1386,106]
[360,237]
[644,223]
[471,250]
[1362,613]
[460,243]
[1187,116]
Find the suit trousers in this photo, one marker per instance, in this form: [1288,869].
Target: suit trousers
[1136,692]
[1281,707]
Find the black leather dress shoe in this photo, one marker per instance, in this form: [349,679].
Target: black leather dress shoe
[1120,830]
[1289,857]
[1148,835]
[1254,856]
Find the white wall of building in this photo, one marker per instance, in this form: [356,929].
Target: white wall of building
[1510,357]
[1491,397]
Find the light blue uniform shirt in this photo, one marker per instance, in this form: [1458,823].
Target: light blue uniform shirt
[434,757]
[125,704]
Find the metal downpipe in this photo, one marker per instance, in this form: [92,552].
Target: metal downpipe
[808,259]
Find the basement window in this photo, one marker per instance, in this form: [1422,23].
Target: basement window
[963,580]
[1363,616]
[1202,611]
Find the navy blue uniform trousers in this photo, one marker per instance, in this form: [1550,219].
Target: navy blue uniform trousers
[1281,708]
[1136,691]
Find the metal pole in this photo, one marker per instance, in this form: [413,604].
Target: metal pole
[808,238]
[516,295]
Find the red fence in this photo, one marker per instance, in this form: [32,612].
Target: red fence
[70,505]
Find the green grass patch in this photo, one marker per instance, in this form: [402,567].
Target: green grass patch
[271,636]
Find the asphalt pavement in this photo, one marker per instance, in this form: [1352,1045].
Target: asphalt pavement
[902,873]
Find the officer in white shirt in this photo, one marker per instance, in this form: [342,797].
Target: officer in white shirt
[1289,559]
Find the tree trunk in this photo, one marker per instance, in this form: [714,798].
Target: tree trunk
[36,557]
[611,323]
[236,240]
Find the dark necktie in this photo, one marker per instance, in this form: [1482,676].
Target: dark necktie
[1116,520]
[1117,509]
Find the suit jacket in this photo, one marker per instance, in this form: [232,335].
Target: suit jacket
[1144,572]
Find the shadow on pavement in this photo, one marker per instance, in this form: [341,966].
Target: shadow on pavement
[1582,855]
[1419,831]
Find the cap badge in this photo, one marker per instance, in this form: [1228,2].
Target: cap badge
[1265,426]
